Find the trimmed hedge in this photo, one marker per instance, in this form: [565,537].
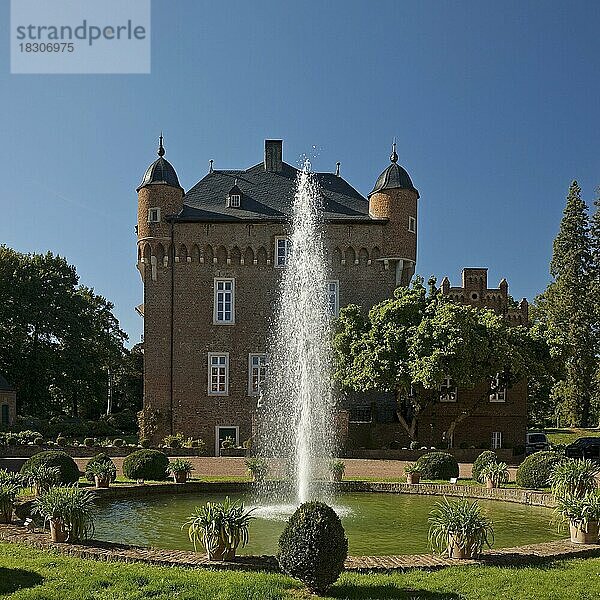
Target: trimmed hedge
[437,465]
[99,458]
[146,464]
[313,546]
[485,458]
[69,471]
[534,471]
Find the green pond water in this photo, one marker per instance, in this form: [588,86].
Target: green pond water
[375,523]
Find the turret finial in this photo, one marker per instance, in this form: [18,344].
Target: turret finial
[161,149]
[210,169]
[337,169]
[394,155]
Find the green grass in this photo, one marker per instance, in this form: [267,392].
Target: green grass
[27,574]
[568,436]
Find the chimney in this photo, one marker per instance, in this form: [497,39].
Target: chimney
[273,156]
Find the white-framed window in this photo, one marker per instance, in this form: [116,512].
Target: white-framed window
[496,440]
[282,251]
[500,394]
[154,215]
[412,224]
[224,311]
[448,391]
[218,373]
[333,297]
[234,200]
[257,372]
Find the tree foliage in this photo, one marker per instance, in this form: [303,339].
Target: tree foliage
[412,342]
[57,337]
[568,315]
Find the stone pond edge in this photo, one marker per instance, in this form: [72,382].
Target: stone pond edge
[113,552]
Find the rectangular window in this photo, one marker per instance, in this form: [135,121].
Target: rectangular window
[496,440]
[5,414]
[360,414]
[500,394]
[218,374]
[235,200]
[153,215]
[257,373]
[282,251]
[448,391]
[412,224]
[224,311]
[333,301]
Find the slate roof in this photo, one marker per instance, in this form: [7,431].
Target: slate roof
[393,177]
[160,171]
[4,385]
[268,196]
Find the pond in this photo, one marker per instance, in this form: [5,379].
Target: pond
[376,523]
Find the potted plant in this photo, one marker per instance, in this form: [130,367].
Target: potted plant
[220,528]
[574,477]
[8,494]
[180,469]
[336,469]
[103,473]
[69,511]
[583,515]
[413,474]
[257,468]
[459,528]
[40,478]
[494,474]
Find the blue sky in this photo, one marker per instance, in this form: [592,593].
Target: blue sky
[495,106]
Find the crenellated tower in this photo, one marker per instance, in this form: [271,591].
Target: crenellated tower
[394,198]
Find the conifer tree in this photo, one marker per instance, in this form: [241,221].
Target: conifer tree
[570,310]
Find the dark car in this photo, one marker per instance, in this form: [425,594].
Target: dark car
[585,447]
[536,440]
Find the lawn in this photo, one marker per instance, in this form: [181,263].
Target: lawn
[27,574]
[568,436]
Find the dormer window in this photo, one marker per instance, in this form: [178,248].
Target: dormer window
[234,198]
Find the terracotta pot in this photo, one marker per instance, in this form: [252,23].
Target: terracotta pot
[458,552]
[180,476]
[57,531]
[221,553]
[102,482]
[489,484]
[581,535]
[413,478]
[336,476]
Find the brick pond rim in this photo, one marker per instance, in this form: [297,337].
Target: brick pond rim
[108,551]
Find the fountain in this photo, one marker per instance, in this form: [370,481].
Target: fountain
[296,414]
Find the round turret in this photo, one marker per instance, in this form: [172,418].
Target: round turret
[159,195]
[394,198]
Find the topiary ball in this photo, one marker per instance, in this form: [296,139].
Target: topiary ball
[39,441]
[485,458]
[118,442]
[437,465]
[69,471]
[146,464]
[99,458]
[61,441]
[534,471]
[313,546]
[88,442]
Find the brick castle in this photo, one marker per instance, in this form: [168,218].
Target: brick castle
[211,259]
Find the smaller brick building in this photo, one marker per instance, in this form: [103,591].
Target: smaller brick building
[8,403]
